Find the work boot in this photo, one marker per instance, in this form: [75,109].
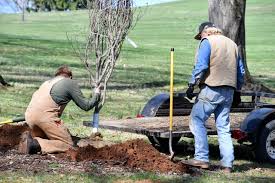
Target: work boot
[196,163]
[28,145]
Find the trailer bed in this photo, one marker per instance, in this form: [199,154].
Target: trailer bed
[158,107]
[159,126]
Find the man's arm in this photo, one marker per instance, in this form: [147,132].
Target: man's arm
[240,81]
[202,62]
[240,74]
[3,82]
[79,99]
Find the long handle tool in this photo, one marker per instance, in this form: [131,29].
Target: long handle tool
[13,120]
[171,104]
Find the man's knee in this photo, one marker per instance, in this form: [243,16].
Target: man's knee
[38,132]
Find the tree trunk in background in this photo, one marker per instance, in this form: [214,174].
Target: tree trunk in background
[23,12]
[3,82]
[229,15]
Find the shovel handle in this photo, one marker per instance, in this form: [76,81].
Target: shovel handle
[6,122]
[171,104]
[171,89]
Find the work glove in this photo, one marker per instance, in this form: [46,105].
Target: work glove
[189,91]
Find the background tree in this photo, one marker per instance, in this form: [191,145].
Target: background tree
[22,6]
[43,5]
[18,5]
[109,23]
[229,15]
[58,5]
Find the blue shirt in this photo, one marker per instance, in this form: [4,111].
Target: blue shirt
[202,65]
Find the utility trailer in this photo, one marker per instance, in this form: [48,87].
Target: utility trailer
[251,121]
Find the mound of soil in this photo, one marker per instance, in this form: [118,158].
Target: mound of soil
[133,154]
[10,135]
[136,154]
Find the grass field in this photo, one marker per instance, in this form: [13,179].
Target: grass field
[30,52]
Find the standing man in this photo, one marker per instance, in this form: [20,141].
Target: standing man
[218,72]
[48,132]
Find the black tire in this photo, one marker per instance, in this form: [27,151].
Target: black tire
[265,147]
[163,143]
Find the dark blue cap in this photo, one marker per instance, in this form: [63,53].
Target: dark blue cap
[203,26]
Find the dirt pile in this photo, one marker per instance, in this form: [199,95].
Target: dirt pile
[10,135]
[136,154]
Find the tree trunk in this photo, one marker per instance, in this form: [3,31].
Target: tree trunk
[229,15]
[23,13]
[3,82]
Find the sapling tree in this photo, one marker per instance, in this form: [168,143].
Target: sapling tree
[109,23]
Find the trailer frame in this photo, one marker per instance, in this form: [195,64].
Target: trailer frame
[249,119]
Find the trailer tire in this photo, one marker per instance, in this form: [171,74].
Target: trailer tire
[265,147]
[163,143]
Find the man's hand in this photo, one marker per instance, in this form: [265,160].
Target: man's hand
[189,91]
[97,90]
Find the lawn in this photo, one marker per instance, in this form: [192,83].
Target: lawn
[30,52]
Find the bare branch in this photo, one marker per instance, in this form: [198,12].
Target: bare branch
[109,23]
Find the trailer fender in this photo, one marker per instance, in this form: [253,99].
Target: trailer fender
[152,106]
[255,120]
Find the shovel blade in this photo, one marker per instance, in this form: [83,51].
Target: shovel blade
[172,154]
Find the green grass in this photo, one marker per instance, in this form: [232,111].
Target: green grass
[31,51]
[22,177]
[255,175]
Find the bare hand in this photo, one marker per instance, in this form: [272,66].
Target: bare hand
[97,90]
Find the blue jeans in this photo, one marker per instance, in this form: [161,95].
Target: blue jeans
[215,100]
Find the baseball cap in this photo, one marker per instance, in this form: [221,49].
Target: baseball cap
[203,26]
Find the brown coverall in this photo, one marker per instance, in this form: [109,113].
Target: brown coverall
[43,117]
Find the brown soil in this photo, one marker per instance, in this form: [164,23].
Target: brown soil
[133,155]
[10,135]
[138,181]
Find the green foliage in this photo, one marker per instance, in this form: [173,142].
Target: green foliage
[58,5]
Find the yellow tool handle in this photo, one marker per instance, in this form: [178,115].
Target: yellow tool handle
[6,122]
[171,89]
[13,120]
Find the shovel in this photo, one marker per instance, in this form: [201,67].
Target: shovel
[13,120]
[171,104]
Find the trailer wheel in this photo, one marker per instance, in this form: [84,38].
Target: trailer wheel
[163,143]
[265,147]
